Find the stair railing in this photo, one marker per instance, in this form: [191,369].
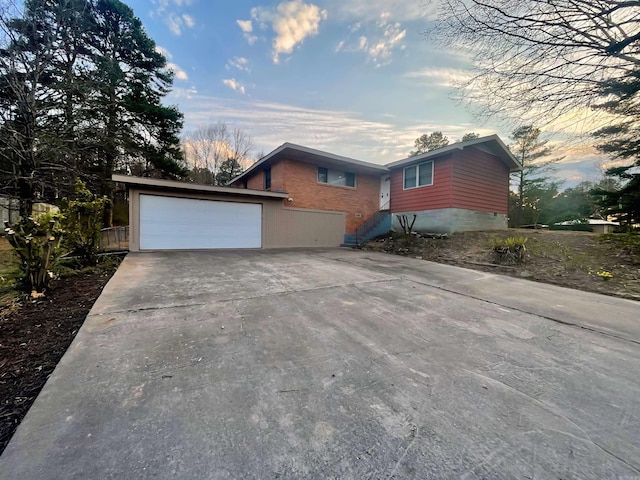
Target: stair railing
[363,230]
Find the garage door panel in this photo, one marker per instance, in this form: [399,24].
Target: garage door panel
[169,223]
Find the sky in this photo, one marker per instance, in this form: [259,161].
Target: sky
[352,77]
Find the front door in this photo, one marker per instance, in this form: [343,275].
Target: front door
[385,192]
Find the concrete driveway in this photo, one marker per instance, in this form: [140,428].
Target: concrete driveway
[336,364]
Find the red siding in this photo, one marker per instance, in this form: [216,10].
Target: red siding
[480,182]
[430,197]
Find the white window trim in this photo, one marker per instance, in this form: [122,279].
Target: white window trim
[417,167]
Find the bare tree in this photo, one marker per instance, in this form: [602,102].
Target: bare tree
[241,147]
[208,147]
[541,57]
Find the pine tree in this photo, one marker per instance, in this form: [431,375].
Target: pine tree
[622,143]
[81,96]
[533,181]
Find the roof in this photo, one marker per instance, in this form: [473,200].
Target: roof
[158,184]
[292,151]
[490,144]
[590,221]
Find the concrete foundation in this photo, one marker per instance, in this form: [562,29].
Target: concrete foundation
[449,220]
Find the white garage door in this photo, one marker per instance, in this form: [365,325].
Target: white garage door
[171,223]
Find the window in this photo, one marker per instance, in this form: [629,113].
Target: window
[336,177]
[418,175]
[267,179]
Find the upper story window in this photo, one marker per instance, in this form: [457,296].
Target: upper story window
[267,179]
[336,177]
[418,175]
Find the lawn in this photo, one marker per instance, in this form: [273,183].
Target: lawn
[569,259]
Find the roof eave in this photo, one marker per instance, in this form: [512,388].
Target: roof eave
[279,153]
[159,184]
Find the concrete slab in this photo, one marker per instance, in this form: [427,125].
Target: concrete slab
[336,364]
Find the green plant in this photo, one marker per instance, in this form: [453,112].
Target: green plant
[36,242]
[510,250]
[83,223]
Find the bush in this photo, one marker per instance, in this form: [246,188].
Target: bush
[83,223]
[510,250]
[36,242]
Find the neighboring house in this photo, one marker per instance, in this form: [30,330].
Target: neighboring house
[463,186]
[598,225]
[9,210]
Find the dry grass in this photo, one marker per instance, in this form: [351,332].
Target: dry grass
[570,259]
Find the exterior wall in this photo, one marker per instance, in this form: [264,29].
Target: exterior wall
[281,227]
[300,181]
[603,228]
[450,220]
[438,195]
[297,227]
[256,181]
[480,182]
[359,203]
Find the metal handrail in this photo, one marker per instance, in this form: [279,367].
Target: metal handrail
[369,225]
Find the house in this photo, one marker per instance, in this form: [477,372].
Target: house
[463,186]
[321,181]
[597,225]
[302,197]
[460,187]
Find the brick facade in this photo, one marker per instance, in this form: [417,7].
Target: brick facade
[300,181]
[256,181]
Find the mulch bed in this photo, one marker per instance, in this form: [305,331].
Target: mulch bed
[34,334]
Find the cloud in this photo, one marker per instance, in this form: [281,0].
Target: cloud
[292,22]
[382,38]
[349,133]
[337,131]
[369,10]
[173,18]
[247,28]
[380,49]
[178,72]
[234,85]
[177,23]
[239,63]
[441,77]
[188,20]
[340,45]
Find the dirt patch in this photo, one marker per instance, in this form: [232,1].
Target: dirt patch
[569,259]
[33,337]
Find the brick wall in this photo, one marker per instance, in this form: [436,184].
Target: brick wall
[256,181]
[301,183]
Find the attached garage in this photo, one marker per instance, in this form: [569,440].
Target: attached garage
[168,215]
[169,223]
